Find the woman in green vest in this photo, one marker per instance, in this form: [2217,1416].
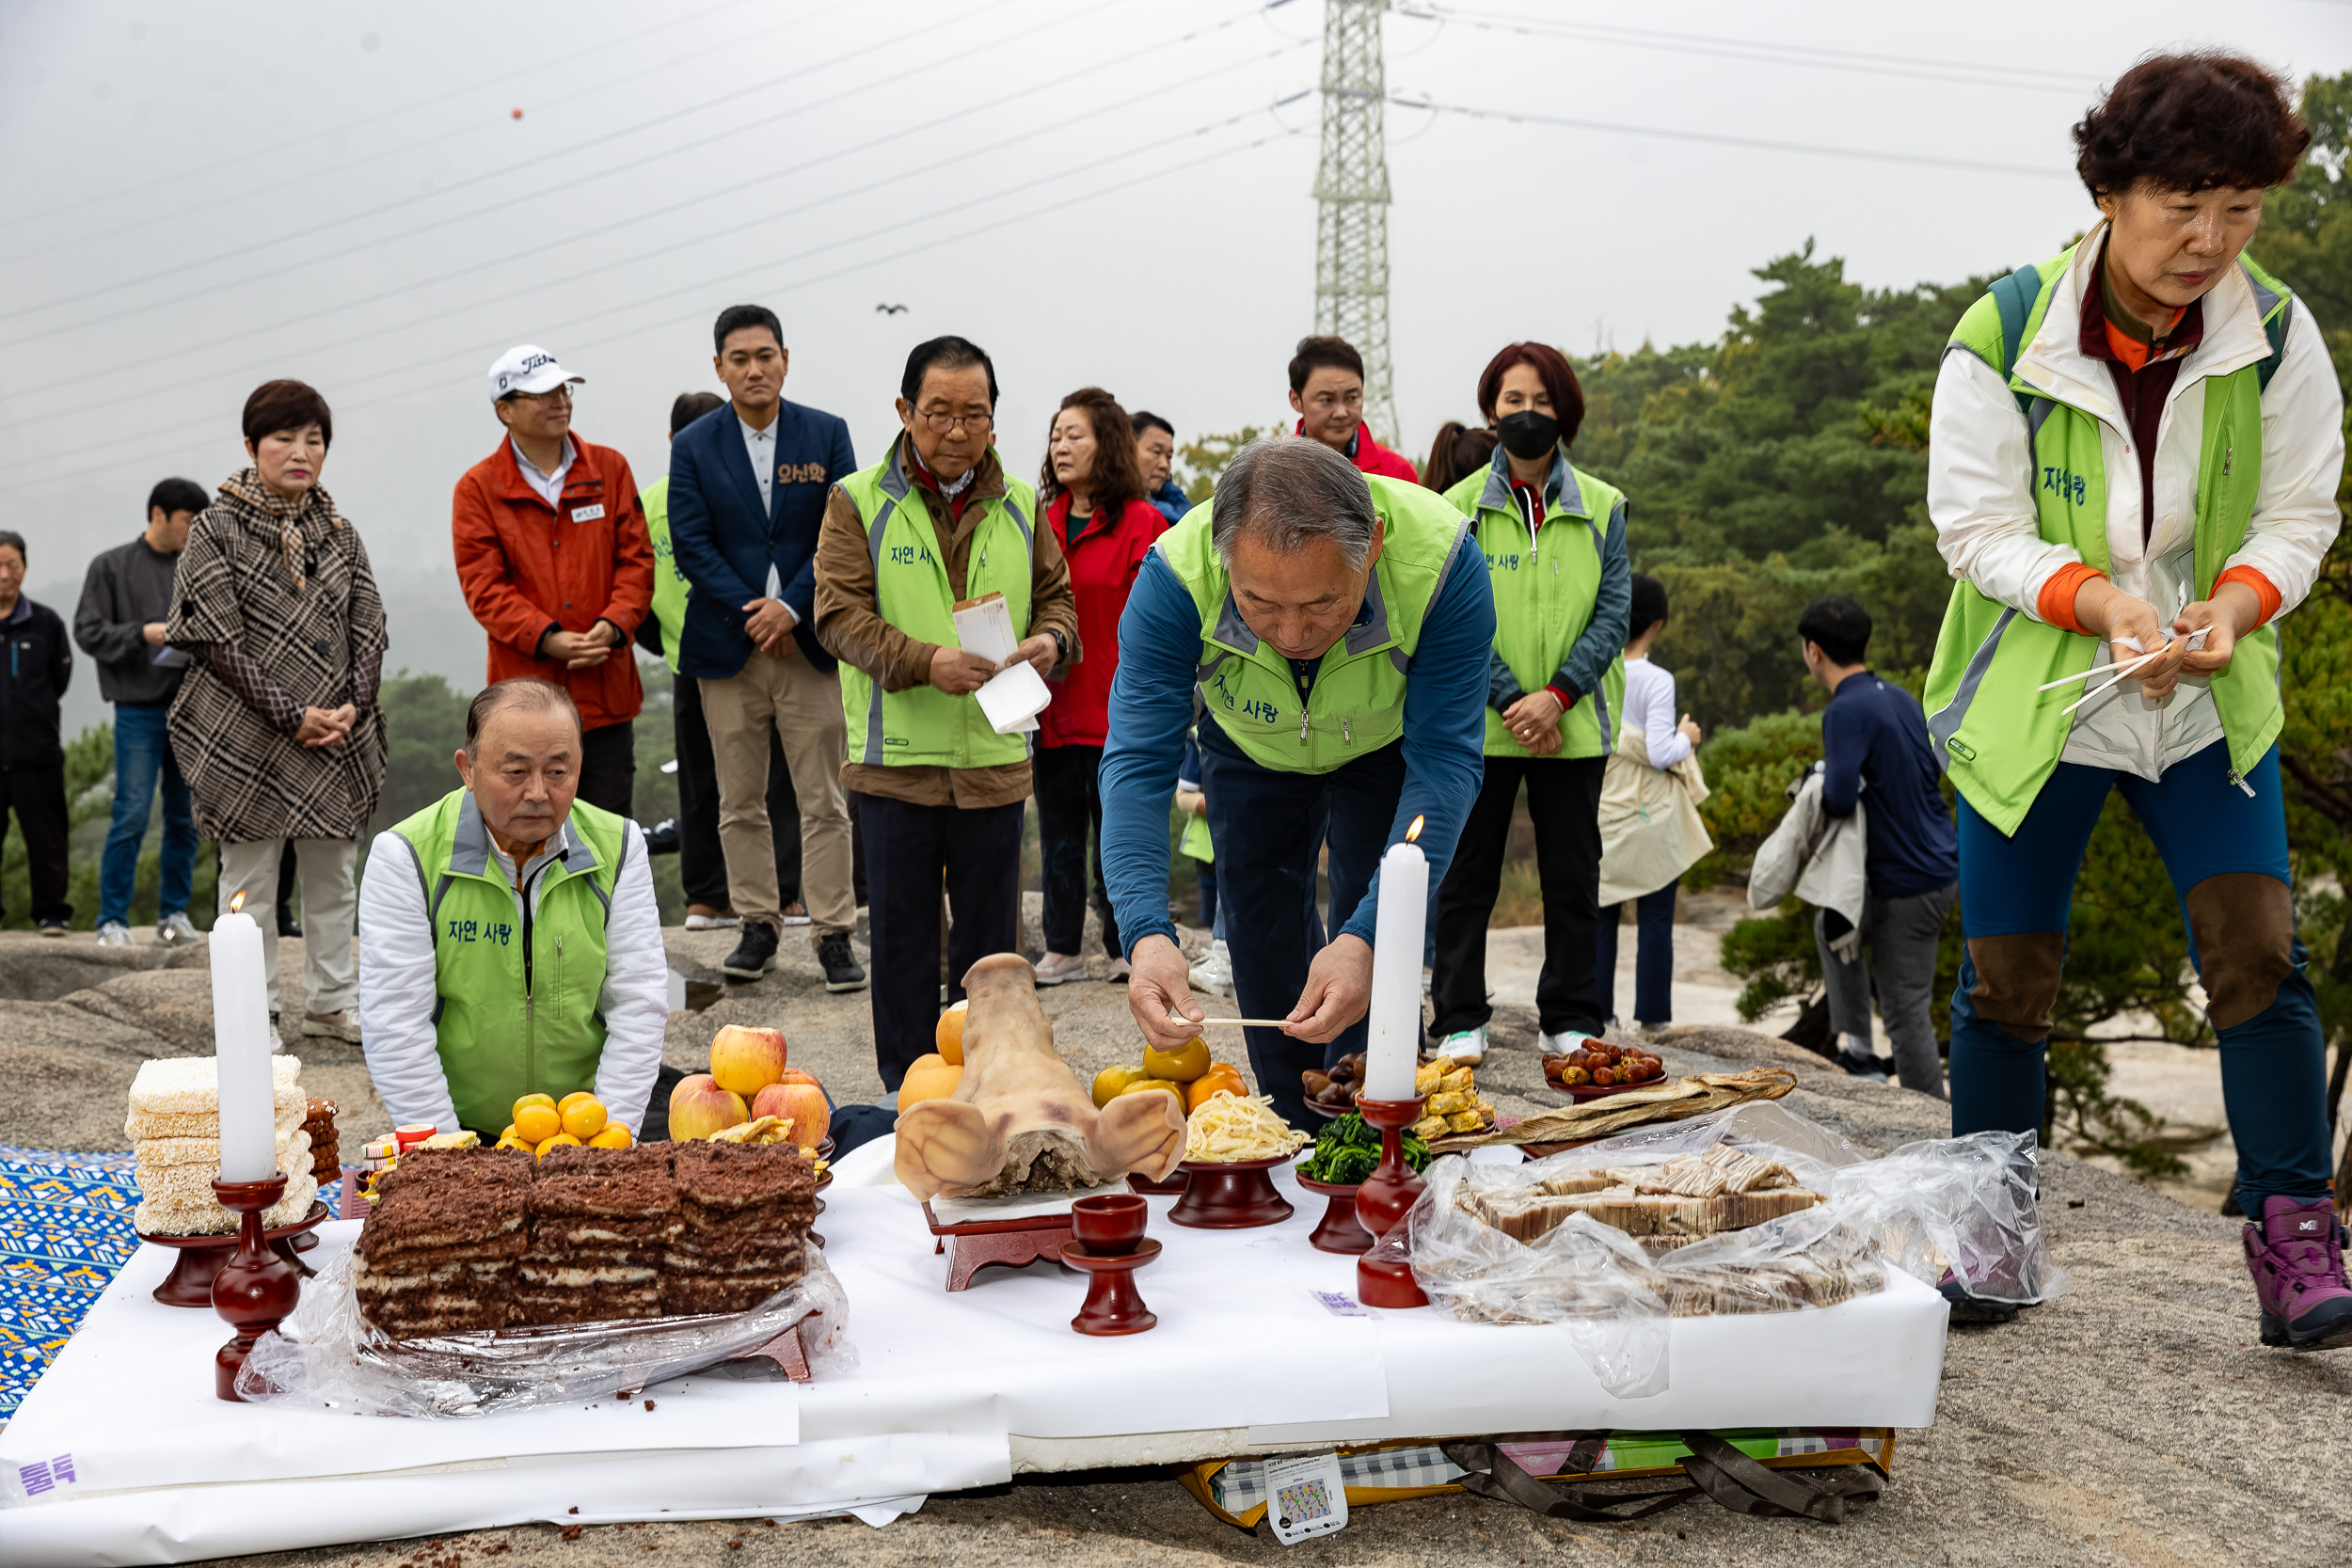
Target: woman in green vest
[2133,456]
[1555,547]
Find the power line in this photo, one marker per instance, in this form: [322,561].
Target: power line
[698,240]
[634,219]
[1808,55]
[441,363]
[1753,143]
[278,148]
[329,224]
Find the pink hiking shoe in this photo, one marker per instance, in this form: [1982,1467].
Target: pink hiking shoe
[2295,1254]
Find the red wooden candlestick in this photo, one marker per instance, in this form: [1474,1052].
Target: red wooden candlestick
[1382,1200]
[256,1289]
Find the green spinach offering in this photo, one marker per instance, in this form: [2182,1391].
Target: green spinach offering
[1347,1150]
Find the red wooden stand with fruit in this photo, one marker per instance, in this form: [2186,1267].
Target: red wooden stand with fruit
[1382,1200]
[256,1289]
[977,1244]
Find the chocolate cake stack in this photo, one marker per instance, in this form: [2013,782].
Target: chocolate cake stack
[439,1251]
[326,1158]
[601,1221]
[747,1212]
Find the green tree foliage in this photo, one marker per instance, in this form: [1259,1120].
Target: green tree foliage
[1199,463]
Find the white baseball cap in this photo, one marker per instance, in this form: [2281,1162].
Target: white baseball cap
[527,368]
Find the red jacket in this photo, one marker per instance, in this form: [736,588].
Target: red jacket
[527,569]
[1103,559]
[1373,458]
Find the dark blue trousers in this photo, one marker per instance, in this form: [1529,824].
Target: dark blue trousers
[1653,958]
[1267,827]
[2273,1063]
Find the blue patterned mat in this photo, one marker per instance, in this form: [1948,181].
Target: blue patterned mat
[65,1231]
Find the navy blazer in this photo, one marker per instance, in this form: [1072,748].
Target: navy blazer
[723,541]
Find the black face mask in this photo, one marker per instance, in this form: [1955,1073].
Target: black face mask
[1528,435]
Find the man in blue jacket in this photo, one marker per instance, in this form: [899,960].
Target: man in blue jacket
[748,484]
[1334,631]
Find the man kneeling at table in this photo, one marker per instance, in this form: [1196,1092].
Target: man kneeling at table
[509,940]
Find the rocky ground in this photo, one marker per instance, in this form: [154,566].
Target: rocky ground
[2134,1420]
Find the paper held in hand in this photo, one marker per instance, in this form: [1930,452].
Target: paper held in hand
[1014,696]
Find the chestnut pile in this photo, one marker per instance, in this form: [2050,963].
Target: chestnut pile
[1336,1091]
[1603,1066]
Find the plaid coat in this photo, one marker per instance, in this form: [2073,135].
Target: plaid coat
[279,609]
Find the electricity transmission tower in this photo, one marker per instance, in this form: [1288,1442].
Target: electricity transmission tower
[1351,201]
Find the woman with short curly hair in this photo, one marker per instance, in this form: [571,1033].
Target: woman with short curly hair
[2132,463]
[277,726]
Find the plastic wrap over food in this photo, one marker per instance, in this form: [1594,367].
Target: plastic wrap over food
[1965,1205]
[329,1356]
[1611,1252]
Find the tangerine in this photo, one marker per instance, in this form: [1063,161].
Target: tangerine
[1114,1081]
[547,1100]
[949,1036]
[613,1136]
[536,1124]
[929,1077]
[1219,1079]
[573,1098]
[561,1140]
[583,1117]
[1157,1086]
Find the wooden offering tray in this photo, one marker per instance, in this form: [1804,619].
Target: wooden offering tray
[1231,1194]
[1174,1183]
[1340,1231]
[190,1282]
[977,1245]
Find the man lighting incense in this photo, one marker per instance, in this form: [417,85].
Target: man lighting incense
[1335,628]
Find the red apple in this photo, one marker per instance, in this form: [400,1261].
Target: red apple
[746,1060]
[699,1107]
[802,1104]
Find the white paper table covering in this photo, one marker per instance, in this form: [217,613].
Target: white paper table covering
[948,1386]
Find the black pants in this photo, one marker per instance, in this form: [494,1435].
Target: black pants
[37,795]
[1068,806]
[608,768]
[909,849]
[702,867]
[1564,799]
[1268,827]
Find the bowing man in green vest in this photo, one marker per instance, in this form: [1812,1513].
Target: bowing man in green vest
[939,794]
[1554,538]
[509,938]
[2135,452]
[1333,629]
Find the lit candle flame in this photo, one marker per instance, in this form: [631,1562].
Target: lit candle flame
[236,905]
[1410,833]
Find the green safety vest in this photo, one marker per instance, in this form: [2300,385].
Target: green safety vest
[923,726]
[1545,590]
[1998,736]
[670,587]
[1357,703]
[518,996]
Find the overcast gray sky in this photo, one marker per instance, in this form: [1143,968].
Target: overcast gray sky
[200,196]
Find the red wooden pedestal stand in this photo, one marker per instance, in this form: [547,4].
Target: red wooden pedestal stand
[977,1245]
[1113,1306]
[256,1288]
[1382,1200]
[190,1282]
[1231,1194]
[1340,1231]
[786,1351]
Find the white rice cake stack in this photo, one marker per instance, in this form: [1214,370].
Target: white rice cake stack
[174,1123]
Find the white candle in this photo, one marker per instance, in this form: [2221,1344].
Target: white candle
[1394,1048]
[242,1047]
